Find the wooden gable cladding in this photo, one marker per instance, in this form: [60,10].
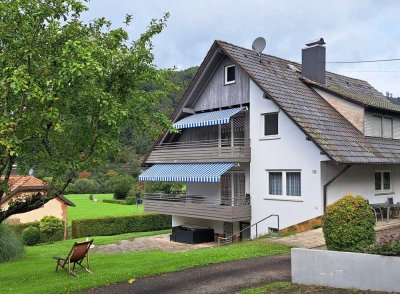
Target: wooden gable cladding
[215,94]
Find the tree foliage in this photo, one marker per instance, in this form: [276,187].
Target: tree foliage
[68,88]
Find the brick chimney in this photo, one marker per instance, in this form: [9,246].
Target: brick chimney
[313,61]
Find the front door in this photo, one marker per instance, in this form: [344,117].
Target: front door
[228,229]
[245,235]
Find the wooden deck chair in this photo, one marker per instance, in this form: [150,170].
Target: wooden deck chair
[76,256]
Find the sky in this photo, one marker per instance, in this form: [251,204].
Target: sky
[353,30]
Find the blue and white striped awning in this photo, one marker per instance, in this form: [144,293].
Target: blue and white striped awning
[186,172]
[207,118]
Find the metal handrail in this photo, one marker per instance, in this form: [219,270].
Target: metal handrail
[229,239]
[237,201]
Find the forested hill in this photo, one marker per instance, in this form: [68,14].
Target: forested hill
[136,145]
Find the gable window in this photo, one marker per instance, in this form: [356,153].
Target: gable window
[230,74]
[382,126]
[270,124]
[284,183]
[383,181]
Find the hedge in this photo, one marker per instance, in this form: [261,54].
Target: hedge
[114,201]
[20,227]
[106,226]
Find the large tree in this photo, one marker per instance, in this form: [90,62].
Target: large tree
[68,88]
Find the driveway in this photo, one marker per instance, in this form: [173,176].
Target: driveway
[157,242]
[228,277]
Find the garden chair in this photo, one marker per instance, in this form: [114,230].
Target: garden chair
[76,256]
[376,209]
[395,206]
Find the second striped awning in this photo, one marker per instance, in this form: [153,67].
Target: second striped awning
[186,172]
[207,118]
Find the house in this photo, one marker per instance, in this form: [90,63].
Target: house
[261,135]
[24,186]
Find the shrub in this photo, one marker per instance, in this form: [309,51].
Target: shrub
[91,197]
[166,187]
[348,224]
[114,201]
[18,228]
[106,226]
[11,245]
[31,236]
[83,186]
[121,186]
[388,245]
[52,229]
[130,200]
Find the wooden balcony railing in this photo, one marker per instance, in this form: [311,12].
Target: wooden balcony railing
[197,206]
[225,150]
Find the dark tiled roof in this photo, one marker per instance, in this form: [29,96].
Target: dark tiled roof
[329,130]
[65,200]
[356,91]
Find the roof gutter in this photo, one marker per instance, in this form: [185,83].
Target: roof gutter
[330,182]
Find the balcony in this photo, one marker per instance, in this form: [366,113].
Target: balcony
[223,150]
[196,206]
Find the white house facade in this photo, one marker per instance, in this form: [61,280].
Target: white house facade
[266,144]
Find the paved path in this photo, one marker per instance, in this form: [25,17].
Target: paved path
[228,277]
[315,238]
[157,242]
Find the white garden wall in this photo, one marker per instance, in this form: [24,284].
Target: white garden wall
[345,270]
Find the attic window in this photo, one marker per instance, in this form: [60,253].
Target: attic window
[229,74]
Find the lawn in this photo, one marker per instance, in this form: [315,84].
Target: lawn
[86,208]
[39,267]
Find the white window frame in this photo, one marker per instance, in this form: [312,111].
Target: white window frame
[383,191]
[226,82]
[262,127]
[284,196]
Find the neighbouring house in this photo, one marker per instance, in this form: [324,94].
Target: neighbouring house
[24,186]
[261,135]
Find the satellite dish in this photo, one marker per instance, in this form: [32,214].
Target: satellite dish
[259,45]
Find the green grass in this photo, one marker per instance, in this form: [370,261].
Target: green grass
[86,208]
[35,273]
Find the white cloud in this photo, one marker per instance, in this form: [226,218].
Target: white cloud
[353,30]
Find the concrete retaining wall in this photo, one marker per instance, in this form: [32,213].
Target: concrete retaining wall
[345,270]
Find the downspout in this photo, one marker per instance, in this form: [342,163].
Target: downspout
[330,182]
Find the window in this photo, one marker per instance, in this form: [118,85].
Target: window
[387,127]
[229,74]
[377,126]
[293,184]
[275,183]
[383,181]
[270,124]
[382,126]
[284,183]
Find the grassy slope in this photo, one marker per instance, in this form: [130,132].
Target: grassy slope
[35,273]
[86,208]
